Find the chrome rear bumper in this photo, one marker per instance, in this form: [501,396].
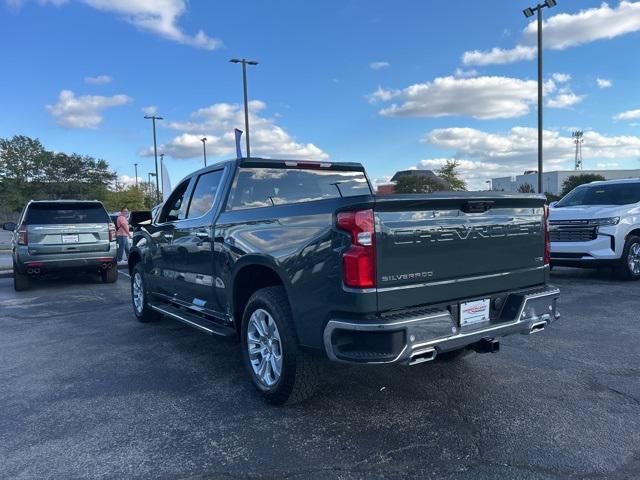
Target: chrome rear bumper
[420,338]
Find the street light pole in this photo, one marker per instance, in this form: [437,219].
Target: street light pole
[155,150]
[204,149]
[528,12]
[162,172]
[151,174]
[135,165]
[244,63]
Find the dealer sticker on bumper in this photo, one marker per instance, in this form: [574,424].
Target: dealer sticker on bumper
[474,312]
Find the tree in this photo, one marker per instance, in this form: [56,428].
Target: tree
[576,180]
[28,171]
[131,197]
[416,184]
[448,172]
[526,188]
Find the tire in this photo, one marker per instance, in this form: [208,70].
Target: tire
[21,281]
[299,372]
[141,308]
[453,355]
[629,267]
[110,275]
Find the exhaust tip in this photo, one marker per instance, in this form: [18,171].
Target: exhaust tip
[537,327]
[422,356]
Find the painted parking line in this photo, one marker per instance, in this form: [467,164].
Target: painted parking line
[126,274]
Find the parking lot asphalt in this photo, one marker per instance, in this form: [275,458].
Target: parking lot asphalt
[88,392]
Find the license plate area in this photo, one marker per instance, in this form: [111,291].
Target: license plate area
[70,238]
[475,312]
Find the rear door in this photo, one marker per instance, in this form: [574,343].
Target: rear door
[441,248]
[67,228]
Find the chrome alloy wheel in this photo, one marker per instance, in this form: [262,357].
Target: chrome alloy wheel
[138,292]
[265,347]
[633,259]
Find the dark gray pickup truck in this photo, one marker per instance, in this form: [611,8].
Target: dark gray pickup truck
[301,260]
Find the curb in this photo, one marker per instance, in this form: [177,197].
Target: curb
[9,273]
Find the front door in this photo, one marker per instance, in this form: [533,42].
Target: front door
[162,277]
[192,247]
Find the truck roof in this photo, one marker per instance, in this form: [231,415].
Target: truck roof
[619,180]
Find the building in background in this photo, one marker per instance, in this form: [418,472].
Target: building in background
[552,181]
[389,187]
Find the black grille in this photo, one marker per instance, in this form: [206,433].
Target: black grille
[572,233]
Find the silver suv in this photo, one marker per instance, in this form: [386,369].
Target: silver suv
[62,235]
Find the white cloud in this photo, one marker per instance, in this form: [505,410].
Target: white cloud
[98,80]
[127,181]
[150,110]
[460,73]
[498,56]
[479,97]
[564,100]
[564,31]
[568,30]
[218,122]
[561,77]
[155,16]
[483,155]
[628,115]
[85,111]
[604,83]
[379,65]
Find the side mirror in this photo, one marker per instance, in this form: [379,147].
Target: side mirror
[553,204]
[9,226]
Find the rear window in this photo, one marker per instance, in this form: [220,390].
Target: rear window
[54,214]
[612,194]
[263,187]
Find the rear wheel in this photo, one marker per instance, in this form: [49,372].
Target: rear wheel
[629,267]
[21,281]
[109,275]
[139,297]
[282,372]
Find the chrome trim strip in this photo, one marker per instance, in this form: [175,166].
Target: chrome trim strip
[184,320]
[461,280]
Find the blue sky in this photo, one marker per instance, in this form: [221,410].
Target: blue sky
[391,85]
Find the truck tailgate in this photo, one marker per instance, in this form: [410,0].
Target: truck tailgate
[446,247]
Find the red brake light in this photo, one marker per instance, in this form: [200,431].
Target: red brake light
[359,261]
[112,232]
[547,240]
[23,236]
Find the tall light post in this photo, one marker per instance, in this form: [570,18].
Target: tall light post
[155,150]
[244,63]
[204,149]
[135,165]
[151,174]
[162,172]
[528,12]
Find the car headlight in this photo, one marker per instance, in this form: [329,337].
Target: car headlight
[603,222]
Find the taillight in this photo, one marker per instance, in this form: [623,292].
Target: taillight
[112,233]
[359,261]
[23,236]
[547,240]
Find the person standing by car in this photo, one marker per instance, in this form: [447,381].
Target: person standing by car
[122,233]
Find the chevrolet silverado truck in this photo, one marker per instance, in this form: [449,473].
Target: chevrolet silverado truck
[598,225]
[301,260]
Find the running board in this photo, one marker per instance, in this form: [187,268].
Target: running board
[203,324]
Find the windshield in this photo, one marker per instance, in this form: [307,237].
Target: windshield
[612,194]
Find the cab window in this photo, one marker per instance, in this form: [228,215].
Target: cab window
[204,194]
[175,208]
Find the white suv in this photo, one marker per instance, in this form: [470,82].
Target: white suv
[598,224]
